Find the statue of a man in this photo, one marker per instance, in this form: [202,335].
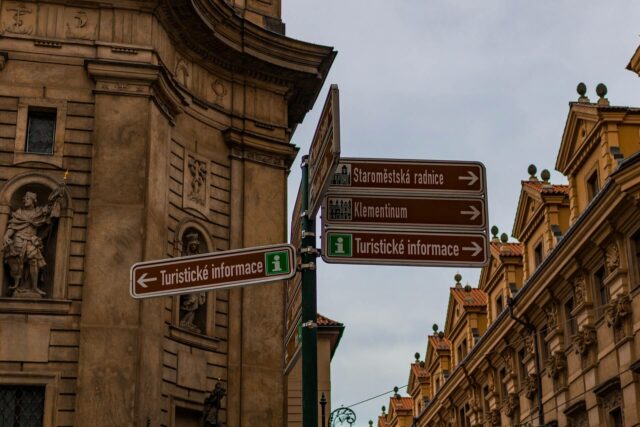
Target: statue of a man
[212,405]
[22,246]
[190,303]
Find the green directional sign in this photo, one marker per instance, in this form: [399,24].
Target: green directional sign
[340,245]
[276,263]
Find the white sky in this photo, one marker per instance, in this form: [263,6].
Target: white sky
[457,80]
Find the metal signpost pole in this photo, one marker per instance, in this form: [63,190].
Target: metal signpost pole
[309,308]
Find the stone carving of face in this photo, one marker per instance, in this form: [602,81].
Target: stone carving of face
[29,199]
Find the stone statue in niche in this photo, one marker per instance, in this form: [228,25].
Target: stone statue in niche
[198,171]
[212,405]
[23,247]
[190,303]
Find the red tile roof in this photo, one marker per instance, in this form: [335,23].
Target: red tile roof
[439,343]
[382,421]
[401,403]
[509,248]
[546,188]
[419,370]
[472,298]
[325,321]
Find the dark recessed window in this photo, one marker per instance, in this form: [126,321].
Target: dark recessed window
[592,185]
[41,130]
[21,405]
[601,289]
[572,325]
[537,254]
[636,248]
[499,305]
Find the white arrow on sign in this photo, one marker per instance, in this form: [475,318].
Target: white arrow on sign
[143,280]
[471,177]
[474,212]
[476,249]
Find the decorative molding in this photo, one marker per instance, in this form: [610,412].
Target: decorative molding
[259,157]
[47,43]
[21,19]
[555,364]
[551,313]
[511,404]
[584,339]
[612,257]
[531,386]
[579,291]
[618,309]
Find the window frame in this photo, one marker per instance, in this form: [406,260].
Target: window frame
[20,154]
[50,381]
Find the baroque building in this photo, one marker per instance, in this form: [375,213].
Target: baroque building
[550,336]
[131,131]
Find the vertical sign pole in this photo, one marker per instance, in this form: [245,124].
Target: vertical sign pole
[309,308]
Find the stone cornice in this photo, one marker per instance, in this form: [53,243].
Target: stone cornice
[137,79]
[260,150]
[214,32]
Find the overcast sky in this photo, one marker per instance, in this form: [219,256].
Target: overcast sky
[454,80]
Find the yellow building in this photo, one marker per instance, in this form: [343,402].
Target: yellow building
[173,120]
[562,314]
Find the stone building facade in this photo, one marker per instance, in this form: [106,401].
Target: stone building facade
[130,131]
[560,341]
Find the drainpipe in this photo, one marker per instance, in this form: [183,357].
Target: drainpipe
[532,329]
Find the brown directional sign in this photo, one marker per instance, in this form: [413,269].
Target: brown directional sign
[292,347]
[369,246]
[218,270]
[390,175]
[324,152]
[411,211]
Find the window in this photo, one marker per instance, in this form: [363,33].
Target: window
[592,185]
[499,305]
[522,369]
[636,250]
[543,342]
[537,255]
[616,418]
[503,386]
[22,406]
[601,289]
[571,323]
[41,130]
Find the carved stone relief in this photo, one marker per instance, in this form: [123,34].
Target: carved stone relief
[612,257]
[578,420]
[531,385]
[195,192]
[611,400]
[529,344]
[556,363]
[494,417]
[617,309]
[181,72]
[551,311]
[510,404]
[584,339]
[219,91]
[80,24]
[579,291]
[18,18]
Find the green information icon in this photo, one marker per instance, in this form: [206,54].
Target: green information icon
[340,245]
[276,263]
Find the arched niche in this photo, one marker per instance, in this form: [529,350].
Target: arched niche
[202,319]
[56,236]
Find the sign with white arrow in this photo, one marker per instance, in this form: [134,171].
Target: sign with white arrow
[392,176]
[409,211]
[384,247]
[216,270]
